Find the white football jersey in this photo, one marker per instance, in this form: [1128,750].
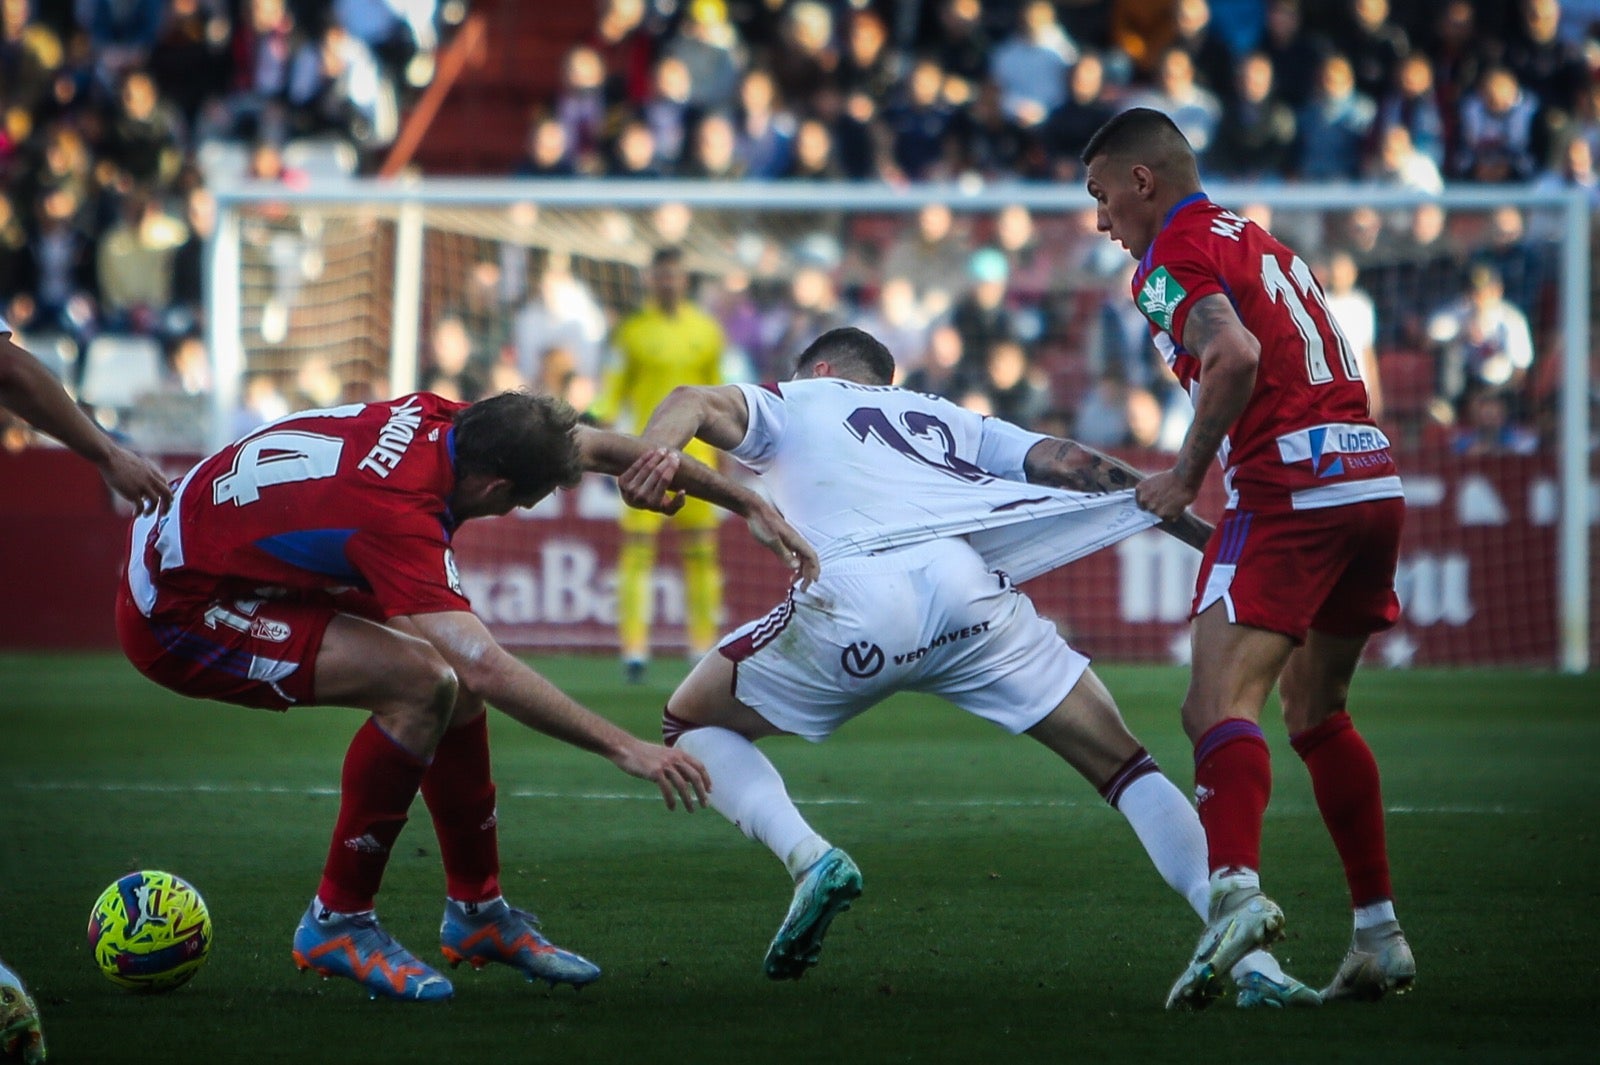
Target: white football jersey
[860,468]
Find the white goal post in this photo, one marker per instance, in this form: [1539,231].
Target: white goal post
[344,267]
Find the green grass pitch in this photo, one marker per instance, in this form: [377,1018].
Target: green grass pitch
[1008,916]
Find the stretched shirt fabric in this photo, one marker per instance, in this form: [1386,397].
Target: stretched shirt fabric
[322,502]
[1305,439]
[862,469]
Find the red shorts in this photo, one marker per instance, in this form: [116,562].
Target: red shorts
[1330,569]
[253,652]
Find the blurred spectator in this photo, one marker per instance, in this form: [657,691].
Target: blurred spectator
[984,142]
[484,310]
[1194,110]
[898,322]
[134,265]
[64,163]
[1496,139]
[1521,263]
[1352,310]
[190,59]
[1212,59]
[1374,45]
[1460,58]
[13,247]
[143,136]
[1087,107]
[804,58]
[626,49]
[32,53]
[633,155]
[765,129]
[1398,163]
[920,126]
[981,316]
[1550,68]
[1362,235]
[547,155]
[58,268]
[122,33]
[335,87]
[1421,270]
[1487,427]
[389,30]
[188,261]
[868,64]
[714,155]
[1413,105]
[851,123]
[260,401]
[1574,169]
[941,373]
[563,315]
[813,153]
[1483,340]
[1333,125]
[1255,141]
[1297,56]
[449,369]
[708,47]
[1031,266]
[814,308]
[669,111]
[1140,30]
[1017,391]
[262,56]
[1031,66]
[933,258]
[1102,412]
[581,107]
[1121,341]
[964,46]
[189,367]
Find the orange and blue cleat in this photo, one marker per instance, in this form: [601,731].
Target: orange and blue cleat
[484,932]
[357,948]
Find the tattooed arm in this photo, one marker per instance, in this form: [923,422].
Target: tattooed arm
[1229,354]
[1071,465]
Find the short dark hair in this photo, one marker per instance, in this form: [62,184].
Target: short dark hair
[853,349]
[1144,134]
[669,253]
[527,439]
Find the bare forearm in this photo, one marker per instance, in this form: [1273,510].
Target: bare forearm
[30,390]
[1076,467]
[526,697]
[604,451]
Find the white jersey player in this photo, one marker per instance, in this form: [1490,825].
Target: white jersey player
[923,513]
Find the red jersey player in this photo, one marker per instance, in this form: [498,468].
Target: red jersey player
[1300,571]
[309,563]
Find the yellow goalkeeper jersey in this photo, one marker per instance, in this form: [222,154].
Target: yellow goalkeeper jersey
[654,352]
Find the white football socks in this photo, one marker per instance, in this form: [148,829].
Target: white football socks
[747,790]
[1374,915]
[1169,828]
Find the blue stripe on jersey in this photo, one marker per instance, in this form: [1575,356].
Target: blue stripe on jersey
[1235,529]
[317,550]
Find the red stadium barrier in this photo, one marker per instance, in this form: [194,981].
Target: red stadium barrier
[1478,572]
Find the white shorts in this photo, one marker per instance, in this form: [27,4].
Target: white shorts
[930,618]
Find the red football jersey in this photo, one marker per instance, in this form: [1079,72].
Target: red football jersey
[1306,439]
[331,501]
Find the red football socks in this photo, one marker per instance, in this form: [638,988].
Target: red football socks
[1344,777]
[1233,781]
[379,781]
[460,795]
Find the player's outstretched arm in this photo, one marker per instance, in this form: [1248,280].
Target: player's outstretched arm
[27,388]
[1229,355]
[508,684]
[1063,463]
[652,477]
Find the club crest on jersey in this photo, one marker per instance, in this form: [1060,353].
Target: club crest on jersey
[1159,297]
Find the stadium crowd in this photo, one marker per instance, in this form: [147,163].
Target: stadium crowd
[117,111]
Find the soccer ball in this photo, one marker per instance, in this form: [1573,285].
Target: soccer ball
[149,931]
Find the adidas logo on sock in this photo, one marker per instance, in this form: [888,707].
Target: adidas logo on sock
[366,844]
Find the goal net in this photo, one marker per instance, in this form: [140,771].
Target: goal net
[1464,308]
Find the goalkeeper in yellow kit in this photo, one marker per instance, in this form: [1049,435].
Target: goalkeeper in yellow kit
[667,342]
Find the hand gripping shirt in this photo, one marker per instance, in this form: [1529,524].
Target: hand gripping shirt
[1305,439]
[349,498]
[861,469]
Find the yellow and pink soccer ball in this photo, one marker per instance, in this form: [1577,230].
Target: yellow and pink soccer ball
[150,931]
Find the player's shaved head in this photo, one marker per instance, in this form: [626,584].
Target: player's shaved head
[850,353]
[1142,136]
[526,439]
